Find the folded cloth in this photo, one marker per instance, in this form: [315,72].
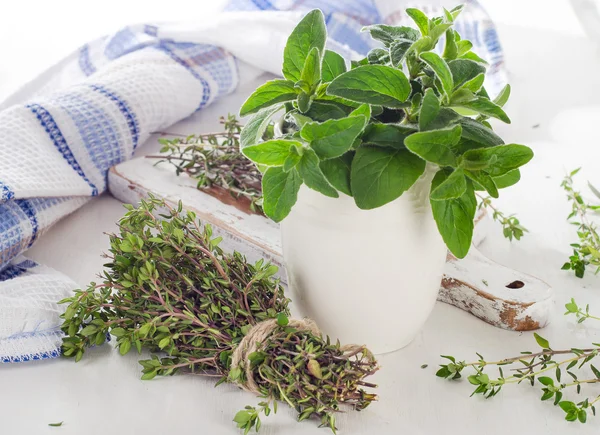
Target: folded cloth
[61,133]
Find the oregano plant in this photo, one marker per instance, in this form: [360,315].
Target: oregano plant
[370,130]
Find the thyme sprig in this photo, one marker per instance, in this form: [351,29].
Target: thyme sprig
[511,226]
[587,251]
[544,367]
[215,160]
[170,289]
[580,313]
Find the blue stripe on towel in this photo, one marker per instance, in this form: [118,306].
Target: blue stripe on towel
[124,108]
[98,131]
[5,193]
[85,62]
[47,121]
[28,209]
[12,239]
[14,270]
[263,5]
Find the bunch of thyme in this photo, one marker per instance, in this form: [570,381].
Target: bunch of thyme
[170,289]
[555,376]
[215,160]
[587,251]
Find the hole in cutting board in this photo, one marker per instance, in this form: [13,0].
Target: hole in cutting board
[516,284]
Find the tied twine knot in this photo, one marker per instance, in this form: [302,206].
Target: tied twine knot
[254,338]
[258,334]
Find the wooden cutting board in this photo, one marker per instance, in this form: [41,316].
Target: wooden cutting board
[498,295]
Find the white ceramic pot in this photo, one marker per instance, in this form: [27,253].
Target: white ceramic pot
[365,276]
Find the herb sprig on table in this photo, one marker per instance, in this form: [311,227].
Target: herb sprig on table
[168,288]
[370,131]
[215,159]
[511,226]
[587,251]
[555,372]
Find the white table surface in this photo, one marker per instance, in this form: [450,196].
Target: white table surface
[103,394]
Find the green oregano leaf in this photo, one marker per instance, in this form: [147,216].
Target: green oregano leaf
[387,135]
[484,180]
[269,94]
[334,137]
[309,170]
[420,20]
[463,47]
[450,49]
[254,130]
[502,158]
[464,70]
[304,102]
[389,34]
[280,192]
[270,153]
[337,172]
[441,70]
[398,50]
[333,66]
[435,145]
[475,84]
[485,107]
[311,73]
[503,96]
[454,217]
[310,33]
[378,56]
[372,84]
[381,175]
[364,110]
[430,108]
[454,186]
[292,159]
[423,44]
[479,133]
[509,179]
[321,111]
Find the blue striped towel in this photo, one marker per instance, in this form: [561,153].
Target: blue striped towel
[61,133]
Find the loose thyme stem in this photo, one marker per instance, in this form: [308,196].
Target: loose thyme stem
[533,367]
[524,356]
[511,226]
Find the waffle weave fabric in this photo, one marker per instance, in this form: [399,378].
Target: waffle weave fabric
[61,133]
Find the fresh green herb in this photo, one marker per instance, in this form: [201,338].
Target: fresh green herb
[215,160]
[554,370]
[511,226]
[587,251]
[485,282]
[581,314]
[424,366]
[55,424]
[170,289]
[370,130]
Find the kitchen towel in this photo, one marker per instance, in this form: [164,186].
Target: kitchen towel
[62,132]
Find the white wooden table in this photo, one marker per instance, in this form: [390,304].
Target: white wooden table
[103,394]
